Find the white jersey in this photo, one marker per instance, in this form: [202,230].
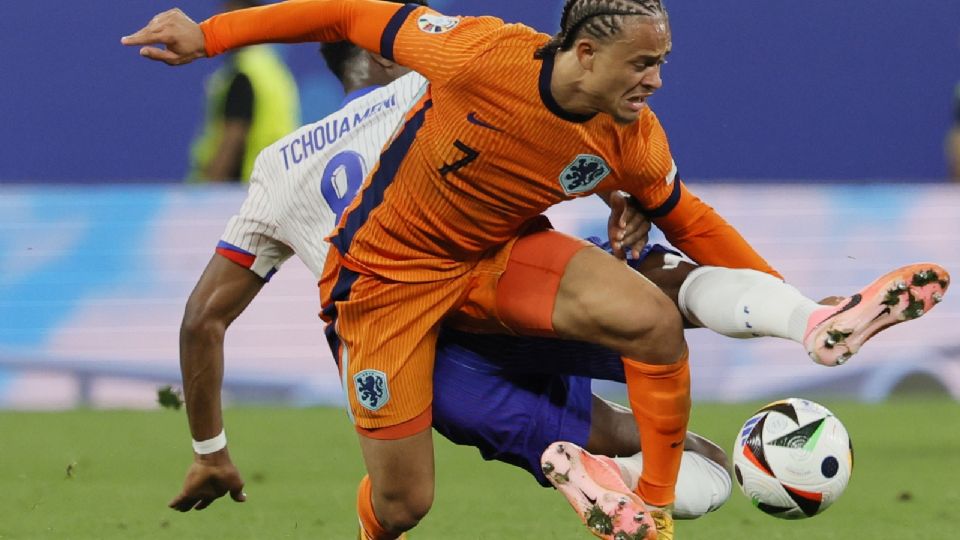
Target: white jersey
[301,184]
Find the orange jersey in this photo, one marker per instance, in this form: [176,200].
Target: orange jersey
[488,147]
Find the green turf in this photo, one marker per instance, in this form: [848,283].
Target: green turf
[302,466]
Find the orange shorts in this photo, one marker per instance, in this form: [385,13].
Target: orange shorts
[386,331]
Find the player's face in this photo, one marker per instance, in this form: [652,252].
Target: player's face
[626,68]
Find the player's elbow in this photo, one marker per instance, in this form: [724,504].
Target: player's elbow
[202,322]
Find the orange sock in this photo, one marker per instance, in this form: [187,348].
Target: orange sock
[370,528]
[660,398]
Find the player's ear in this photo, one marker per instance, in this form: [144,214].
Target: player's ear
[586,50]
[382,62]
[391,69]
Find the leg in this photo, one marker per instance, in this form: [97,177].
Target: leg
[640,322]
[401,483]
[744,303]
[385,342]
[508,416]
[600,300]
[662,265]
[612,430]
[703,483]
[504,396]
[513,355]
[747,303]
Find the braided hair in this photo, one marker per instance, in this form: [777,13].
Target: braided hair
[596,18]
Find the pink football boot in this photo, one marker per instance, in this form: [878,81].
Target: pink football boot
[835,333]
[608,508]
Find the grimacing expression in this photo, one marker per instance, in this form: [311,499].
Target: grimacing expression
[623,71]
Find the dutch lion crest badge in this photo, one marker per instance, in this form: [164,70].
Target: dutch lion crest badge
[583,174]
[372,390]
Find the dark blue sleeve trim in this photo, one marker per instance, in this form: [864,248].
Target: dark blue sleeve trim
[390,32]
[669,204]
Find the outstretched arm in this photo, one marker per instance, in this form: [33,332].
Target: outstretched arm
[361,22]
[225,289]
[436,46]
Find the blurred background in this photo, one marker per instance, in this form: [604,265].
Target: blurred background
[821,129]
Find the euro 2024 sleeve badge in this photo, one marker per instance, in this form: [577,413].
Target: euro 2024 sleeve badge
[437,24]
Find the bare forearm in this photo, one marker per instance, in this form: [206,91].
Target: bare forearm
[223,292]
[201,365]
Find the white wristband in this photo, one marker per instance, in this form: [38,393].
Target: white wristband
[210,446]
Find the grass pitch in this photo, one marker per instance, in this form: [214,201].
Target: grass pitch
[105,475]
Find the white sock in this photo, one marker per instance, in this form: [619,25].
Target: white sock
[745,303]
[702,485]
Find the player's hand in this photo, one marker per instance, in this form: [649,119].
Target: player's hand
[627,227]
[210,477]
[172,29]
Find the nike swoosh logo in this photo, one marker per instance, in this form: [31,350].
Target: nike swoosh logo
[854,301]
[472,118]
[591,500]
[676,444]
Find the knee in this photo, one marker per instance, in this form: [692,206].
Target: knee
[400,511]
[635,319]
[660,341]
[668,334]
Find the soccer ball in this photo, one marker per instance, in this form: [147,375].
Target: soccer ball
[793,458]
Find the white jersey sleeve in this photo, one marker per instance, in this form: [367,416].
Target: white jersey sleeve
[302,183]
[251,238]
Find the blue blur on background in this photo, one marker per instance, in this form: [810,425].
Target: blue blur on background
[818,90]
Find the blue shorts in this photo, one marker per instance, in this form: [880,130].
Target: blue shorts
[510,415]
[513,396]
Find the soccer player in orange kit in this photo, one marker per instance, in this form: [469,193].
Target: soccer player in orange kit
[447,227]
